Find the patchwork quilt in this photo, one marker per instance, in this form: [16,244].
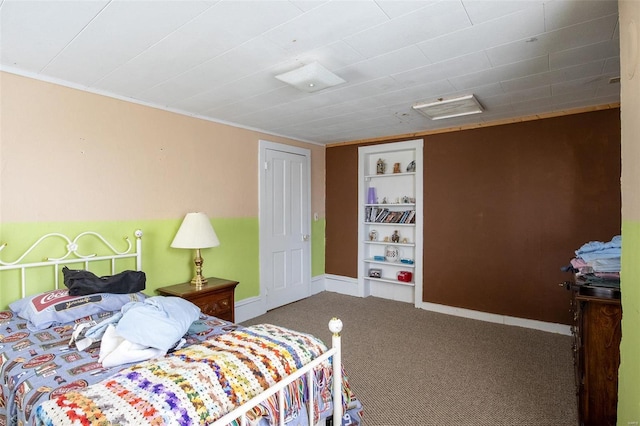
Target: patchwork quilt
[201,383]
[39,365]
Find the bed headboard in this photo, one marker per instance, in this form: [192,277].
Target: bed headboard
[73,254]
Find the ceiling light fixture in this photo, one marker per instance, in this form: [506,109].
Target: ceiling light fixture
[448,108]
[311,78]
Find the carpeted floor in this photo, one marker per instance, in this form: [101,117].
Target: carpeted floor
[413,367]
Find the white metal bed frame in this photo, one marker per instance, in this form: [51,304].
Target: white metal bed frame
[73,247]
[335,353]
[335,325]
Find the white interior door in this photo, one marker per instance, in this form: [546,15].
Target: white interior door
[285,245]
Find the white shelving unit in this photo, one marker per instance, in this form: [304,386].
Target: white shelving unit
[397,195]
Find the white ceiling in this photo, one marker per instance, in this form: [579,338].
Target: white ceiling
[217,59]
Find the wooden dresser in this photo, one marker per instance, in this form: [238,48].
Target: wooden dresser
[597,314]
[216,298]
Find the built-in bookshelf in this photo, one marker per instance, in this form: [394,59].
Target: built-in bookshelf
[390,221]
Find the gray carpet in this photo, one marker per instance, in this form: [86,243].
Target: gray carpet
[413,367]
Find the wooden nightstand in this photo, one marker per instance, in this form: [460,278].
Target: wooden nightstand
[216,298]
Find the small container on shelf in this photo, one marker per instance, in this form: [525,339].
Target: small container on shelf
[371,196]
[405,276]
[391,254]
[375,273]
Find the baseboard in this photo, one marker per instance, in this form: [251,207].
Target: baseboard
[342,285]
[496,318]
[349,286]
[249,308]
[317,284]
[254,306]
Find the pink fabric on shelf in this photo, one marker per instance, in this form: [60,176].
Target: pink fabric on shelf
[587,268]
[578,263]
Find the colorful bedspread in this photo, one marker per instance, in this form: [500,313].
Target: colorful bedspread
[197,384]
[37,366]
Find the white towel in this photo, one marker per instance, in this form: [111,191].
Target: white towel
[116,350]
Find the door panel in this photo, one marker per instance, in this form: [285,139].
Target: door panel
[285,248]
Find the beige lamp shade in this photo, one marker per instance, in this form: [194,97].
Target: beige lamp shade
[195,232]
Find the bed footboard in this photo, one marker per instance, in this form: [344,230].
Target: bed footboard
[333,354]
[279,373]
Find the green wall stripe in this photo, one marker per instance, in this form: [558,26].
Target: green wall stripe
[317,247]
[629,373]
[236,258]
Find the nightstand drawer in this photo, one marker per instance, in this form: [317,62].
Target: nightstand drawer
[216,298]
[218,305]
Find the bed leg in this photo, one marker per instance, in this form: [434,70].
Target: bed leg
[335,325]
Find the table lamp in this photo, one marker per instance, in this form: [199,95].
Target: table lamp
[196,233]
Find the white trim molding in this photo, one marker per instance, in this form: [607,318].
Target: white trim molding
[349,286]
[254,306]
[249,308]
[342,285]
[318,284]
[496,318]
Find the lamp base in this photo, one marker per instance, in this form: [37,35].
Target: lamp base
[199,281]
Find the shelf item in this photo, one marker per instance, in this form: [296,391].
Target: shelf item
[372,199]
[392,254]
[405,276]
[391,214]
[390,228]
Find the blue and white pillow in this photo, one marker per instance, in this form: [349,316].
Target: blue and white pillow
[56,307]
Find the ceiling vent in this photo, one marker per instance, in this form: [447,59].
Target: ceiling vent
[311,78]
[448,108]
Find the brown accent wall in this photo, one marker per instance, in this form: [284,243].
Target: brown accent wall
[341,204]
[505,207]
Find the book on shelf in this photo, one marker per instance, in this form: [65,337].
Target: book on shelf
[370,213]
[390,217]
[384,215]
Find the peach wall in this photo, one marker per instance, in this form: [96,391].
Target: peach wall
[69,155]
